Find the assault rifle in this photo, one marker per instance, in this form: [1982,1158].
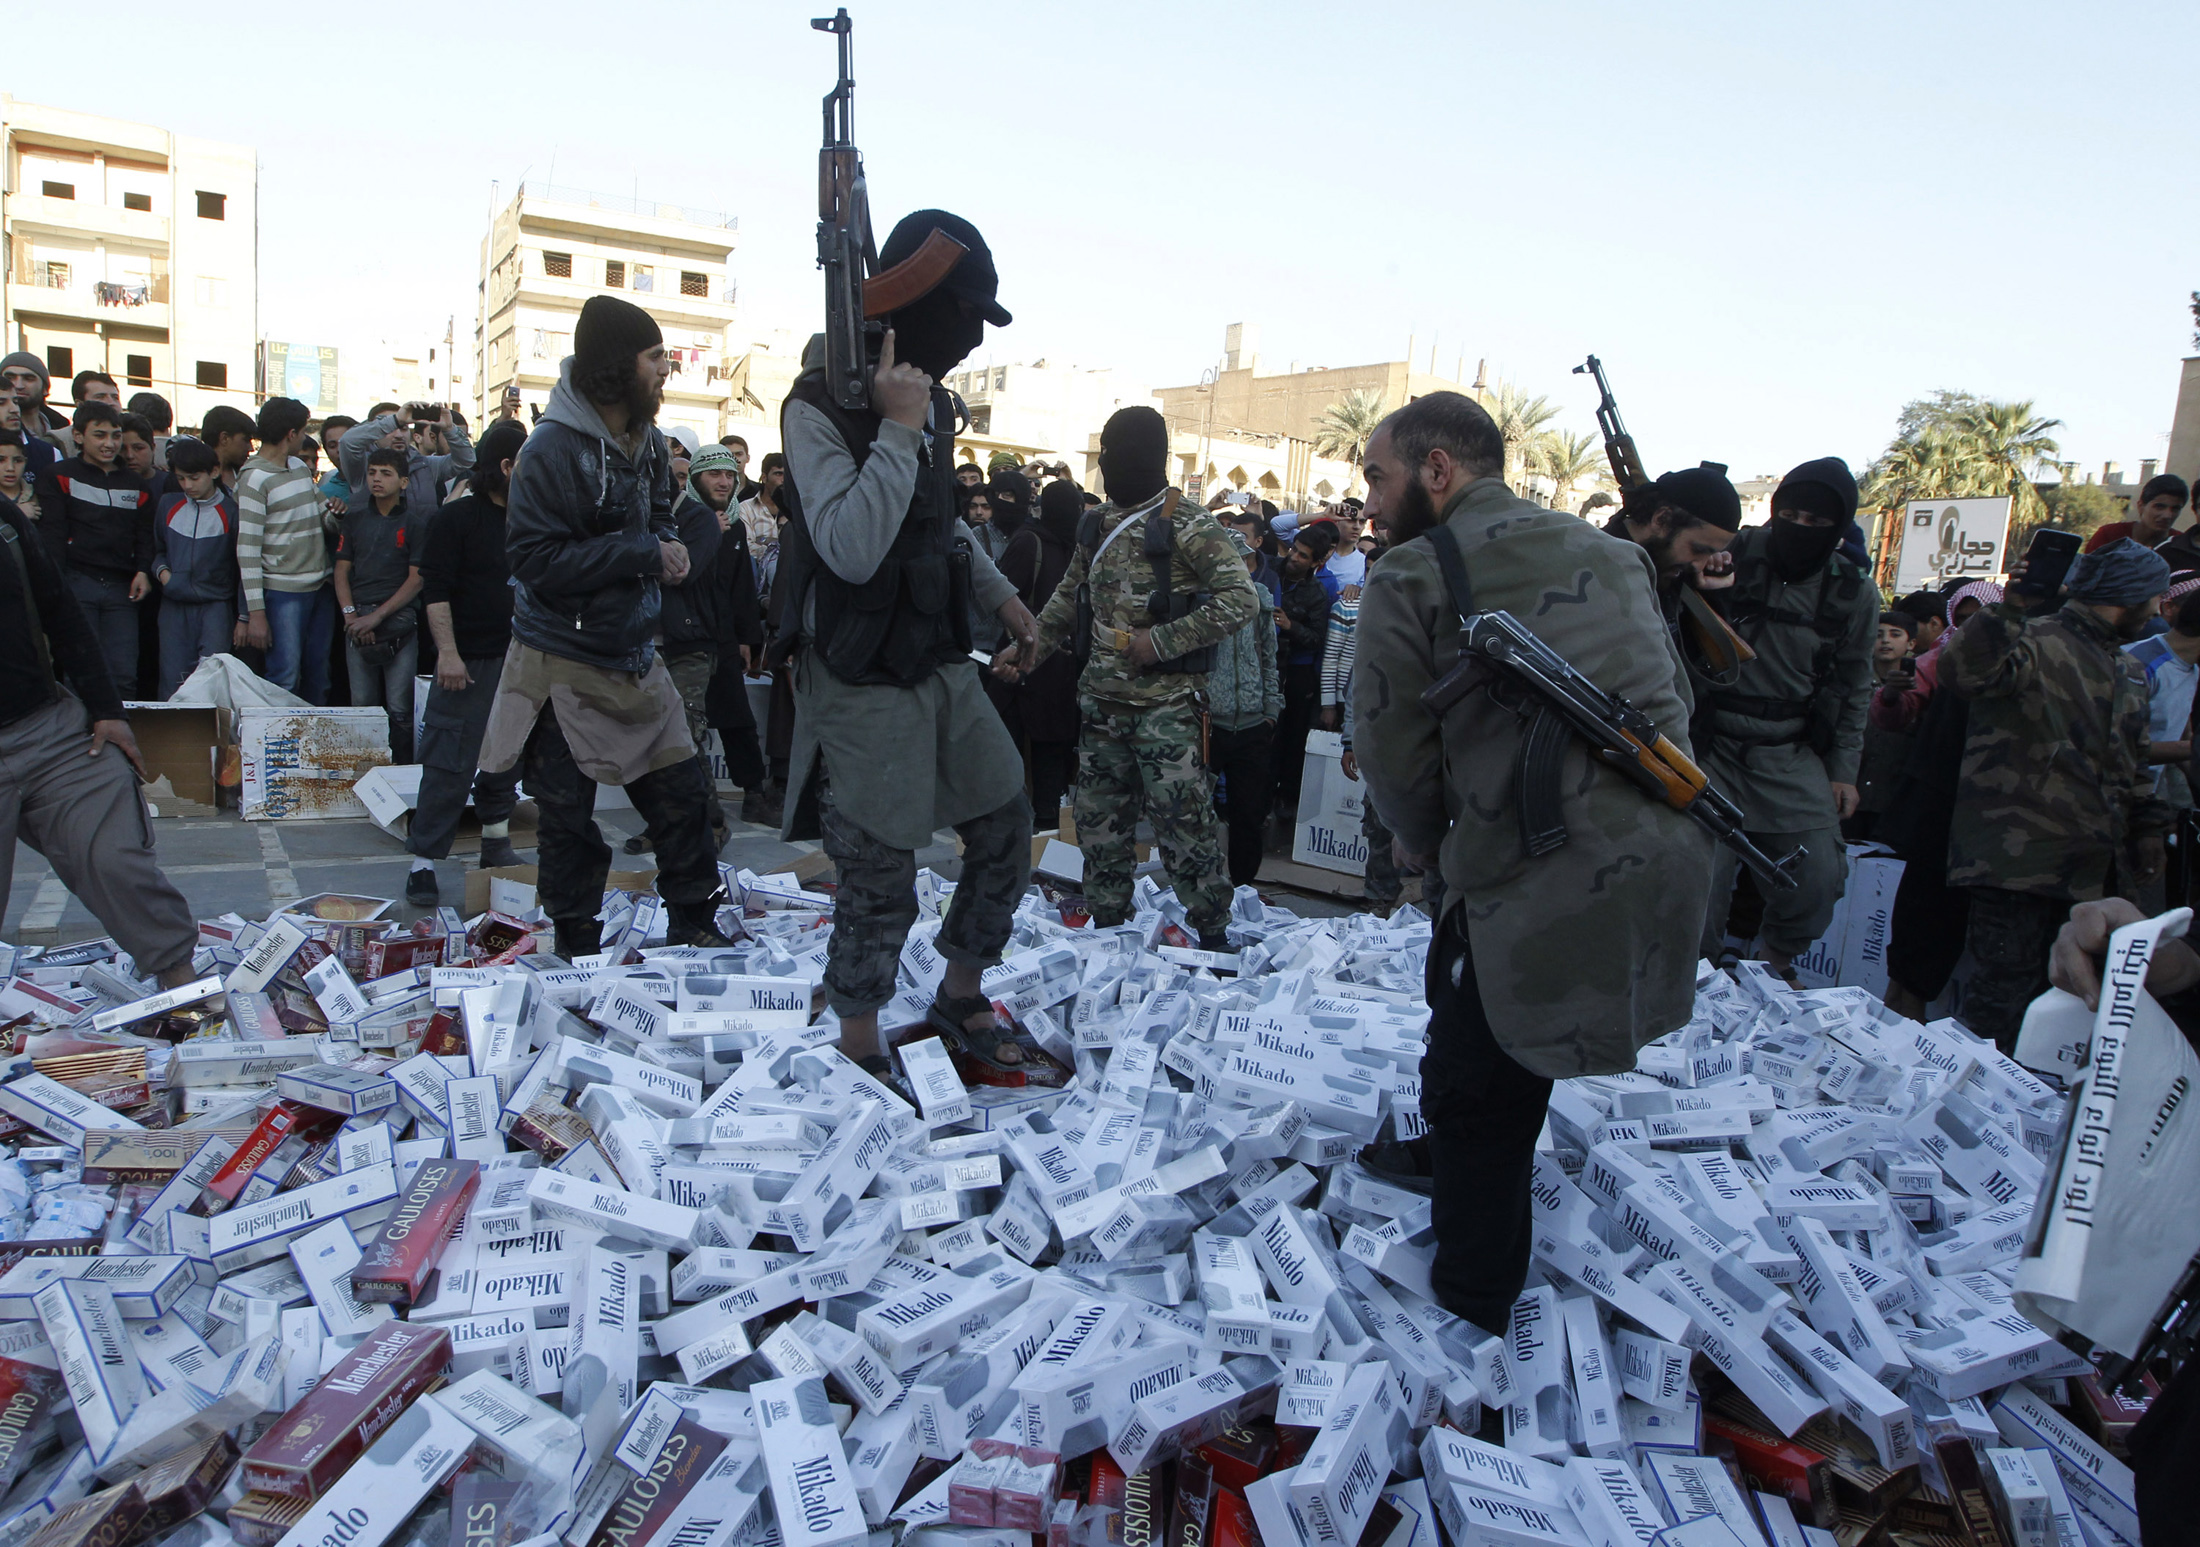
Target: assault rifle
[855,298]
[1723,650]
[1534,681]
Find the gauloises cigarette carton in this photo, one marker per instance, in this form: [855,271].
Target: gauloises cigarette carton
[310,1446]
[396,1263]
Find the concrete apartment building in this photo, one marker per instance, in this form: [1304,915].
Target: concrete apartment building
[550,248]
[132,250]
[1041,410]
[1292,402]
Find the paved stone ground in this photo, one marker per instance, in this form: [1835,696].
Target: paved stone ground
[224,864]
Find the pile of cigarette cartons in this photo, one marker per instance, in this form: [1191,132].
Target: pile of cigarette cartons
[423,1235]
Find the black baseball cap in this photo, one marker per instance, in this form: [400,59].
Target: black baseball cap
[973,278]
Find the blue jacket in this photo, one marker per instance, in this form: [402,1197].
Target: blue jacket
[197,545]
[581,527]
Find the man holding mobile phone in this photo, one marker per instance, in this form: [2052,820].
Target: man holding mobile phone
[426,471]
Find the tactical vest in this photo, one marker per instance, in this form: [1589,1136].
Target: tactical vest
[1163,605]
[912,616]
[1820,712]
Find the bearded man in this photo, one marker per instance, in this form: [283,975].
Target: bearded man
[585,697]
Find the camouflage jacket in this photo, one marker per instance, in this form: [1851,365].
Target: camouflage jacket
[2055,785]
[1587,952]
[1203,560]
[1754,740]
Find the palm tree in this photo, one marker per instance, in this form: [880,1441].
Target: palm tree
[1520,420]
[1567,459]
[1956,446]
[1347,425]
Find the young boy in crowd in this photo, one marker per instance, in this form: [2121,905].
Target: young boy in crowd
[15,473]
[195,561]
[98,524]
[1303,619]
[377,581]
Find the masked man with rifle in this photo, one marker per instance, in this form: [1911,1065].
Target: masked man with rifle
[1551,959]
[1786,738]
[894,736]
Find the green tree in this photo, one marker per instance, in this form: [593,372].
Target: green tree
[1520,421]
[1569,460]
[1954,445]
[1347,425]
[2080,507]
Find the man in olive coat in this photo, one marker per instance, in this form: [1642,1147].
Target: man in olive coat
[1546,967]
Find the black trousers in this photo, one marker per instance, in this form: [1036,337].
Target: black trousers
[1053,774]
[572,857]
[1927,930]
[1244,762]
[1302,693]
[1484,1112]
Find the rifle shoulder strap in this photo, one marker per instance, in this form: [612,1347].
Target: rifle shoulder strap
[1454,566]
[1540,761]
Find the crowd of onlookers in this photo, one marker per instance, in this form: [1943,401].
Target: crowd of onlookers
[2020,750]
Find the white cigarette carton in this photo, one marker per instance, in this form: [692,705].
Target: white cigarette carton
[1477,1517]
[1884,1418]
[1651,1369]
[1535,1354]
[156,1004]
[266,956]
[473,1104]
[1972,1357]
[1691,1487]
[2098,1483]
[813,1493]
[2025,1501]
[104,1378]
[259,1232]
[613,1212]
[1462,1459]
[324,1259]
[1338,1483]
[1596,1392]
[1837,1304]
[1607,1499]
[52,1107]
[365,1507]
[518,1435]
[939,1090]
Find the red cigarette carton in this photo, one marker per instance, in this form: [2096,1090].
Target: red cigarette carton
[395,1264]
[311,1445]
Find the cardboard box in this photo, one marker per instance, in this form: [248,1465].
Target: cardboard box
[1853,950]
[181,745]
[1332,808]
[302,763]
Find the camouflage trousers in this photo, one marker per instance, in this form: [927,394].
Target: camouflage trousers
[876,900]
[691,671]
[1147,761]
[2010,936]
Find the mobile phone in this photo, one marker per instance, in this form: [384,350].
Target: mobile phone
[2047,561]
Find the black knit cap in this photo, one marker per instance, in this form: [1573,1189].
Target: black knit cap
[1702,491]
[973,278]
[612,330]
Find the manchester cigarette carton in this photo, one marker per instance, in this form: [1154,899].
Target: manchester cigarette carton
[52,1107]
[256,1232]
[312,1444]
[84,1326]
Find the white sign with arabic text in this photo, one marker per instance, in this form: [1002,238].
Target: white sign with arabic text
[1945,540]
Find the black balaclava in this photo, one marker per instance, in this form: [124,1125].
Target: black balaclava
[1061,507]
[1824,488]
[937,331]
[1010,492]
[1134,456]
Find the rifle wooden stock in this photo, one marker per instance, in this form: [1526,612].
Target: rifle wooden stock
[914,276]
[1723,650]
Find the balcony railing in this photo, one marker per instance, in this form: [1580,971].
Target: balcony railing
[121,294]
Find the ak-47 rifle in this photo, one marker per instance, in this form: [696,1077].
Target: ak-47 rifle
[1537,683]
[1723,650]
[855,298]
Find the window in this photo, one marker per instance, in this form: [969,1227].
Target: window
[694,284]
[614,274]
[55,275]
[138,369]
[60,360]
[138,201]
[645,277]
[558,265]
[213,206]
[211,292]
[58,190]
[212,373]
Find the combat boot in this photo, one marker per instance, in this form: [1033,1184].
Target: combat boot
[695,923]
[579,937]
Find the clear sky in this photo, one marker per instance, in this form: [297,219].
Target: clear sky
[1775,223]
